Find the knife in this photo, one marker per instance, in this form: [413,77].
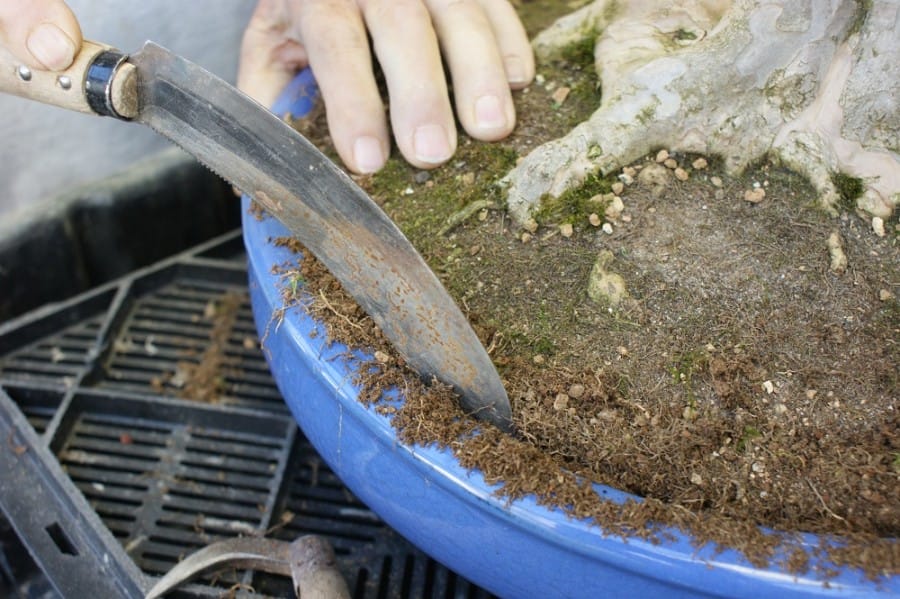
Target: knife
[266,158]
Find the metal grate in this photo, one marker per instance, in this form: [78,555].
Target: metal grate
[377,563]
[169,466]
[57,359]
[165,489]
[172,334]
[38,405]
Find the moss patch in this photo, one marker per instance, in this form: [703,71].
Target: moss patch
[574,206]
[849,188]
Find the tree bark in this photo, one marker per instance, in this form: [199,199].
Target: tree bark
[812,83]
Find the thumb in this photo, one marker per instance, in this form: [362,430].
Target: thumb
[44,34]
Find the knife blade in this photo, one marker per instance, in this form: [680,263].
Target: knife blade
[263,156]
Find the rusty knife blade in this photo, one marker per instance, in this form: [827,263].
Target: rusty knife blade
[266,158]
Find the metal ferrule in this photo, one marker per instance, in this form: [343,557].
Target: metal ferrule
[98,83]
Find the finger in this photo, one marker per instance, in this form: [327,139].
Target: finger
[270,53]
[44,34]
[335,39]
[407,49]
[483,100]
[515,49]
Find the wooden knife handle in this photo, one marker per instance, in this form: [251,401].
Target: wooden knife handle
[78,87]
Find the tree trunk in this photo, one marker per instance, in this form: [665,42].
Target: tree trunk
[812,83]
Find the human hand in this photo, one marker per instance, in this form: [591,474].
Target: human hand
[483,43]
[43,34]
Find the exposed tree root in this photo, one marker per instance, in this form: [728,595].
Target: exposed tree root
[815,85]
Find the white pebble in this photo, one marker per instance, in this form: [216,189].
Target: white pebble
[561,402]
[755,195]
[614,208]
[839,261]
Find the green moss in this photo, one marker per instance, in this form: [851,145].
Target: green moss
[583,100]
[575,66]
[611,11]
[684,369]
[544,346]
[392,178]
[684,35]
[749,433]
[575,205]
[537,344]
[536,16]
[647,114]
[422,213]
[863,8]
[580,53]
[849,188]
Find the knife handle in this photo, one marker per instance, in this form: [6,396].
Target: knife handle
[99,81]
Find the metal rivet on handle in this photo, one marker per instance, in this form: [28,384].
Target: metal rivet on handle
[24,72]
[64,82]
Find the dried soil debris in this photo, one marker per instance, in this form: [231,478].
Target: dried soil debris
[205,379]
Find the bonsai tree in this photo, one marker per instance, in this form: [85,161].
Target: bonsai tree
[814,84]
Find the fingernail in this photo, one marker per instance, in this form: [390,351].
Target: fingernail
[515,70]
[367,154]
[489,113]
[431,144]
[50,46]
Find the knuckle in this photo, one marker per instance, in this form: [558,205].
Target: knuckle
[394,12]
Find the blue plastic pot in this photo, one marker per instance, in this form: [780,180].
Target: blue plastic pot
[514,550]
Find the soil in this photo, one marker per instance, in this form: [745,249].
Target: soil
[204,377]
[738,376]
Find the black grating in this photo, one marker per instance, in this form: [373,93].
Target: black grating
[38,405]
[377,563]
[158,405]
[57,359]
[189,329]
